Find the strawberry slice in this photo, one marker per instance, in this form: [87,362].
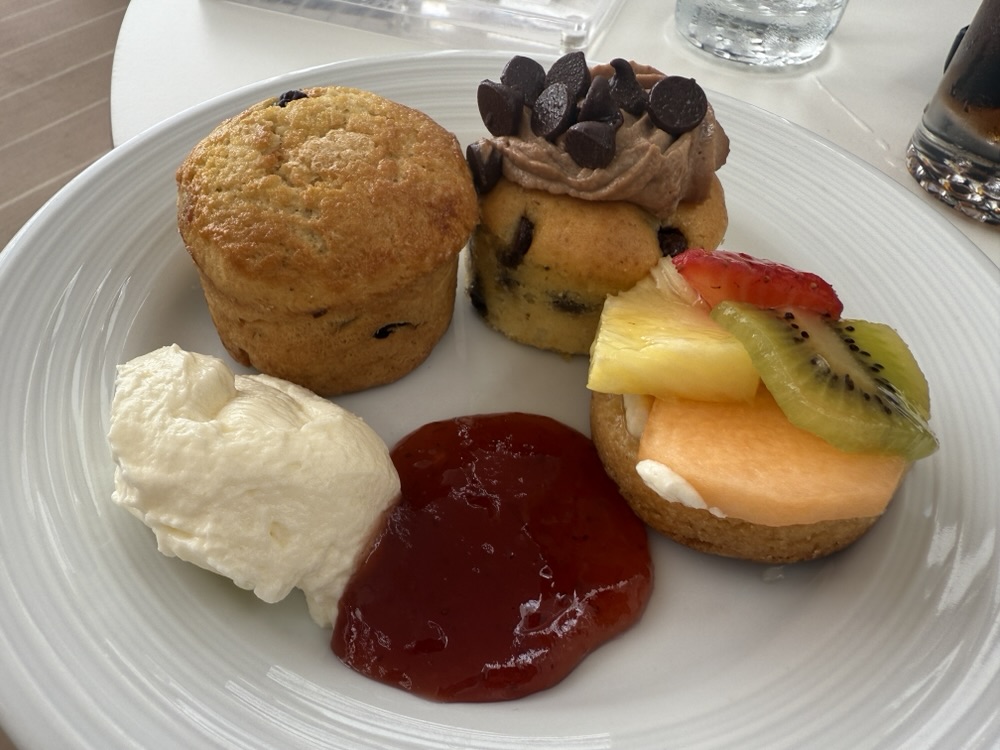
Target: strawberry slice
[722,275]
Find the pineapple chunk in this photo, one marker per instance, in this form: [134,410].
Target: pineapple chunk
[658,339]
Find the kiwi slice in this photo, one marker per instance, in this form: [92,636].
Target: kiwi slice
[853,383]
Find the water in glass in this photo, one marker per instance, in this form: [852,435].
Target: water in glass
[759,32]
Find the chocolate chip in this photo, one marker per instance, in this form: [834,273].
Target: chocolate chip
[554,112]
[505,279]
[514,254]
[672,241]
[525,75]
[500,106]
[476,296]
[385,331]
[486,165]
[598,104]
[570,69]
[568,302]
[677,104]
[591,144]
[290,96]
[626,90]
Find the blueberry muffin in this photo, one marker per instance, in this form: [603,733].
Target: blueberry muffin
[326,226]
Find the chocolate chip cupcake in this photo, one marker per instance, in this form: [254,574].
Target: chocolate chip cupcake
[326,226]
[590,177]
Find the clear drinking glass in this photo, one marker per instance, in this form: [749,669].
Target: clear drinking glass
[955,151]
[772,33]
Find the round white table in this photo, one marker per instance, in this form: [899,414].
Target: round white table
[865,93]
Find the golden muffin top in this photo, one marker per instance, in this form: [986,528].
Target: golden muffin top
[323,191]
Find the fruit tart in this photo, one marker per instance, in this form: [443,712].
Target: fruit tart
[742,415]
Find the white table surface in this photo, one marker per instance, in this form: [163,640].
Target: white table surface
[865,93]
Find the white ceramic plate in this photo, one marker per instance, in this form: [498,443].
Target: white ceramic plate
[104,643]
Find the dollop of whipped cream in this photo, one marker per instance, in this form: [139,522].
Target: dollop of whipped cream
[671,486]
[249,476]
[659,477]
[651,168]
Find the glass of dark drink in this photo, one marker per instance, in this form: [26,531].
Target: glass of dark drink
[955,151]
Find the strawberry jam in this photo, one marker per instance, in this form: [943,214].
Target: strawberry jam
[510,556]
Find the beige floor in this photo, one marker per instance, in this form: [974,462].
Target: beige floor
[55,76]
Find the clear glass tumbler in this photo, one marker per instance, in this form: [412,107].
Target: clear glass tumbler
[955,151]
[772,33]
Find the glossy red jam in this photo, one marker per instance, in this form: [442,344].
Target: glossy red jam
[510,557]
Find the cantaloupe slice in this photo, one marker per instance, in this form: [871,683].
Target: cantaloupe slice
[749,462]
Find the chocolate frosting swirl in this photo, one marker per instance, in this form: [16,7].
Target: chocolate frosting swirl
[651,168]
